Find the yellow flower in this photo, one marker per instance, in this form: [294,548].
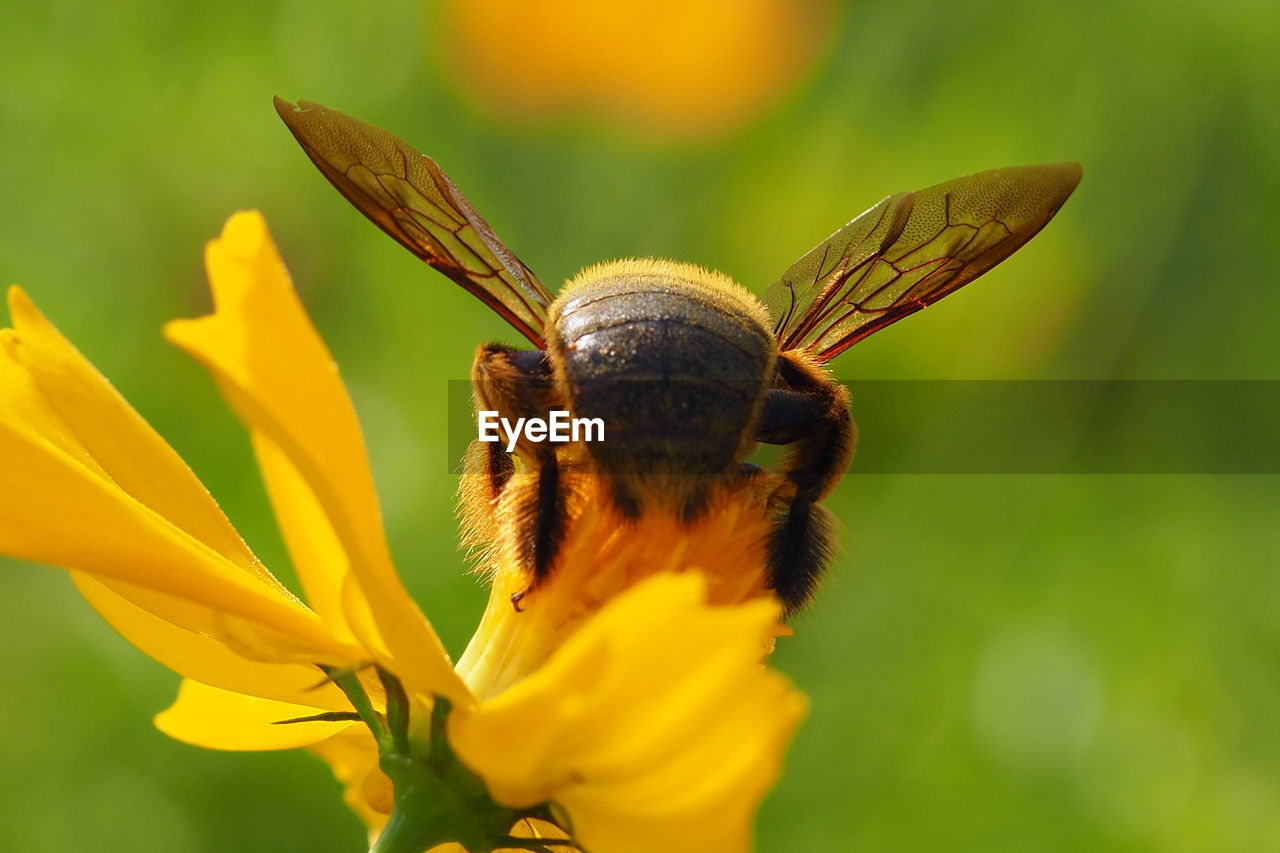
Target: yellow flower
[658,68]
[675,743]
[626,704]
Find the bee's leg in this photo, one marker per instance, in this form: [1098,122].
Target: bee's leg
[812,417]
[549,526]
[519,384]
[514,383]
[540,509]
[800,550]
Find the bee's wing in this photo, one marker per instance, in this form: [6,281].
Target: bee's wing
[909,251]
[407,195]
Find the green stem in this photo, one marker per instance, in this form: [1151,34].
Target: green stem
[349,682]
[397,711]
[437,799]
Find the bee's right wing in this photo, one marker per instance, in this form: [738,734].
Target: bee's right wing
[408,196]
[909,251]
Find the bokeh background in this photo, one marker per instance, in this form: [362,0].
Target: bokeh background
[1050,662]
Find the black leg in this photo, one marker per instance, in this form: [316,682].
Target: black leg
[518,384]
[549,527]
[541,515]
[810,414]
[799,551]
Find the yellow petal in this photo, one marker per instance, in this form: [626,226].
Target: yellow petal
[98,423]
[277,374]
[655,726]
[207,660]
[313,545]
[75,493]
[220,719]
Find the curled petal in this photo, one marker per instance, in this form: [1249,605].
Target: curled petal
[655,726]
[87,485]
[202,658]
[277,374]
[80,410]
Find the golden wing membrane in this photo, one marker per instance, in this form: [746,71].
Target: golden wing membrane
[408,196]
[909,251]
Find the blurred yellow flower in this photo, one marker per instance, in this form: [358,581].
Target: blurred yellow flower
[657,68]
[633,714]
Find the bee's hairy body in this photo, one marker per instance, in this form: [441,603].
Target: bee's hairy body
[674,360]
[681,366]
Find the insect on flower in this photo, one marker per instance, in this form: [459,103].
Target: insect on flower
[687,368]
[526,742]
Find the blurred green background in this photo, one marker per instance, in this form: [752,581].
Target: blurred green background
[998,662]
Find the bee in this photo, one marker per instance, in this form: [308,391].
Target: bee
[689,370]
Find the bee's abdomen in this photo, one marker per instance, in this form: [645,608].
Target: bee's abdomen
[674,369]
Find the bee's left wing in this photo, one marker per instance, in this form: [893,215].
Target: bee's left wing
[408,196]
[909,251]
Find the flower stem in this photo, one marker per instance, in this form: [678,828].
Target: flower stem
[437,799]
[349,682]
[397,711]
